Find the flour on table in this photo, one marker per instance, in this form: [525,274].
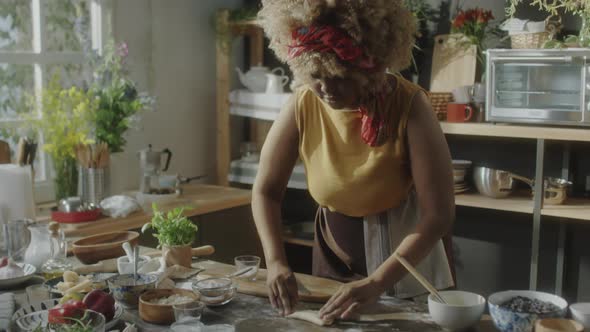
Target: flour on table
[310,316]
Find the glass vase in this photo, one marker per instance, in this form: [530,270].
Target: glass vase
[66,177]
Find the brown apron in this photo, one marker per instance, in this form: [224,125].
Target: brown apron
[339,247]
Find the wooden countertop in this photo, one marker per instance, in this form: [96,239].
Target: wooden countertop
[202,198]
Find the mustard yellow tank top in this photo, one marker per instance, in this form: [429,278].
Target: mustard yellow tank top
[345,174]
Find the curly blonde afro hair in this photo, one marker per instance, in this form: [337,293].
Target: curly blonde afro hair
[384,29]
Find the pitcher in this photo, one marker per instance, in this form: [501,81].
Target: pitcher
[39,251]
[15,238]
[276,83]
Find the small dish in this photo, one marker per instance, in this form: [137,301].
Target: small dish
[160,313]
[215,291]
[29,271]
[30,308]
[558,325]
[126,290]
[99,282]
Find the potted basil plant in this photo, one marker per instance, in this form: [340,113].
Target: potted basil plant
[175,234]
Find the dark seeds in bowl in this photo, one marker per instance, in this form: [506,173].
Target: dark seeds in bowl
[530,306]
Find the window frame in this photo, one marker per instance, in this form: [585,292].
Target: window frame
[40,59]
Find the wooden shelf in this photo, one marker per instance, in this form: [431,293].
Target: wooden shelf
[512,131]
[512,204]
[577,209]
[297,241]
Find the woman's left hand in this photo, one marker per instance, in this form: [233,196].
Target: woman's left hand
[350,298]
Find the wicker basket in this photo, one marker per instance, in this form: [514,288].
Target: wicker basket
[439,101]
[529,40]
[553,25]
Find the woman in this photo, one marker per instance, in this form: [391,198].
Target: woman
[375,157]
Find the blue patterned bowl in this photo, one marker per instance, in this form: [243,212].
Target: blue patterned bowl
[39,319]
[126,290]
[507,320]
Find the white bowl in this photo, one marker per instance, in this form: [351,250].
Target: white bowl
[462,310]
[125,267]
[581,313]
[507,320]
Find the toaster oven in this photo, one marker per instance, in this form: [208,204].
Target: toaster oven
[538,86]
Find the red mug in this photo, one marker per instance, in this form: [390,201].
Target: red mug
[459,112]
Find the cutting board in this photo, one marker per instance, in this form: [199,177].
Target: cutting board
[318,289]
[4,153]
[453,65]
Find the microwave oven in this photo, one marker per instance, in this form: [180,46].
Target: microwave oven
[538,86]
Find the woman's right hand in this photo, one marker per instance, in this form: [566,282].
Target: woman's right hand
[282,288]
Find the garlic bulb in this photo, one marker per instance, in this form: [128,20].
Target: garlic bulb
[11,270]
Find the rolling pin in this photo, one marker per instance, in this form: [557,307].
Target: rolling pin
[196,252]
[106,266]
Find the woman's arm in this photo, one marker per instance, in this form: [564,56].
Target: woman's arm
[433,178]
[277,159]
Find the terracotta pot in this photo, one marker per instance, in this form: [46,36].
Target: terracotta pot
[178,255]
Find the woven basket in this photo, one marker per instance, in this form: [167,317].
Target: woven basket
[529,40]
[439,101]
[553,25]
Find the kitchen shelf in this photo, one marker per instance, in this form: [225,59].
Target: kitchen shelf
[261,106]
[245,172]
[513,131]
[541,92]
[512,204]
[577,209]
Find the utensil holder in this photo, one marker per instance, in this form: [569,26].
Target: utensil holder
[93,185]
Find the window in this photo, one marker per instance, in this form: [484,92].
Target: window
[39,38]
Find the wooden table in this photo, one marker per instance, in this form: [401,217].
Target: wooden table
[203,199]
[255,314]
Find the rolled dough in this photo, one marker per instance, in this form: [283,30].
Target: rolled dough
[311,317]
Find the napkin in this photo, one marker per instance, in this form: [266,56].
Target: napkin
[516,26]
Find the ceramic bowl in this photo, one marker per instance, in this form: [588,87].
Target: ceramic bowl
[30,308]
[126,290]
[581,313]
[462,310]
[125,267]
[95,248]
[507,320]
[32,321]
[160,313]
[215,291]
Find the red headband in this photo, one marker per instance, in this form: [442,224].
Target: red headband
[328,39]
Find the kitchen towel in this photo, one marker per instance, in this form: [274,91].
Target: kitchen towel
[16,193]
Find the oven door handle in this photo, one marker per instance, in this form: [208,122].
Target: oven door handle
[538,59]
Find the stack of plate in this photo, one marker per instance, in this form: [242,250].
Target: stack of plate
[460,169]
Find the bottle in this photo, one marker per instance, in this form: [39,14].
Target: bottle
[55,266]
[587,187]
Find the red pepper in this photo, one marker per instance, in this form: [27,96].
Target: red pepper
[3,261]
[62,313]
[102,302]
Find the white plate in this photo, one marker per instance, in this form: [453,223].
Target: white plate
[48,304]
[29,273]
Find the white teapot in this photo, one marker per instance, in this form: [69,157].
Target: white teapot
[256,78]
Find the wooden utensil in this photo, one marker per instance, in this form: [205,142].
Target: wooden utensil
[4,153]
[196,252]
[106,266]
[419,277]
[92,249]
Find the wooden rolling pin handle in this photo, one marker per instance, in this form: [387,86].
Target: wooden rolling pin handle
[195,252]
[203,251]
